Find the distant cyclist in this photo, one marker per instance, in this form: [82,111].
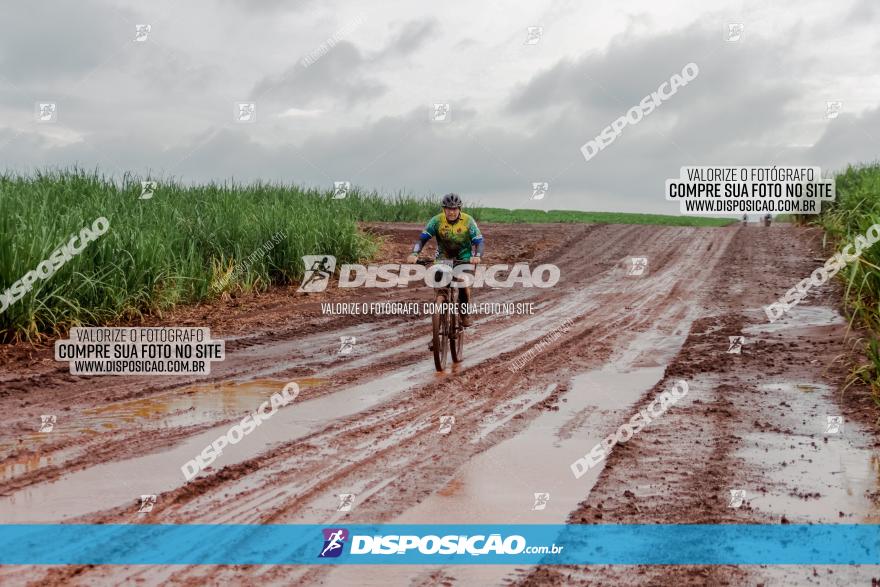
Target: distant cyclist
[458,237]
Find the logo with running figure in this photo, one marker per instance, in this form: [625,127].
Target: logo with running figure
[346,344]
[341,189]
[147,189]
[146,504]
[533,35]
[319,268]
[737,497]
[346,500]
[446,423]
[441,112]
[735,344]
[334,540]
[47,422]
[540,189]
[541,500]
[834,424]
[637,265]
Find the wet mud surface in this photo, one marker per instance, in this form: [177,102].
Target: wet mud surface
[374,422]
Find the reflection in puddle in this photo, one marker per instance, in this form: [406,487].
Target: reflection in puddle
[487,489]
[799,316]
[112,484]
[787,386]
[500,484]
[813,471]
[834,479]
[193,405]
[22,465]
[196,404]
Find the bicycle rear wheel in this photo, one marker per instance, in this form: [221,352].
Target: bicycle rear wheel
[439,323]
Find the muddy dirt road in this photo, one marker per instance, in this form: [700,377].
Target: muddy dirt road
[368,423]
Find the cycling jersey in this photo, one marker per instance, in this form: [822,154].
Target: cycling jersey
[454,239]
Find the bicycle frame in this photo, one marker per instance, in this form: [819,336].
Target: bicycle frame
[447,330]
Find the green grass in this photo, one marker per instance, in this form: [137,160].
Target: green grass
[189,243]
[539,216]
[158,252]
[856,208]
[371,207]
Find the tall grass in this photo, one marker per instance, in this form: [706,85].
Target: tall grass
[371,207]
[856,208]
[539,216]
[188,243]
[158,252]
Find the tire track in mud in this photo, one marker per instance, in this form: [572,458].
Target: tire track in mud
[401,462]
[83,393]
[752,422]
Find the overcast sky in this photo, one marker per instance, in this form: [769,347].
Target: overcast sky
[360,109]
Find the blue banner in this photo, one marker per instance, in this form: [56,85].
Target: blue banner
[424,544]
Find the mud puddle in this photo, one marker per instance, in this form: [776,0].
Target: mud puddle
[118,483]
[797,317]
[192,405]
[23,465]
[495,487]
[791,387]
[817,466]
[527,478]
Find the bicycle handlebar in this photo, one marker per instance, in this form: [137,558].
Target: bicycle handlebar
[455,262]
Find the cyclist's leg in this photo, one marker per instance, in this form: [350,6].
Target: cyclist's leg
[465,295]
[464,298]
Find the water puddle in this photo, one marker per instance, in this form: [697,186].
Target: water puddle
[188,406]
[118,483]
[499,485]
[792,387]
[816,466]
[799,316]
[510,410]
[495,487]
[809,480]
[22,465]
[195,404]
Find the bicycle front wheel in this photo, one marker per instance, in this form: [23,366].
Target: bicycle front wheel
[439,322]
[456,341]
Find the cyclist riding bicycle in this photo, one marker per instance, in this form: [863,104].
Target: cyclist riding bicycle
[458,237]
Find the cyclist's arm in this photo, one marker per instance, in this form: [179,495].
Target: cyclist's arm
[476,238]
[429,231]
[478,247]
[423,239]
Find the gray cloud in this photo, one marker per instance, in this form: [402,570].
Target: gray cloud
[850,138]
[339,72]
[337,76]
[410,38]
[863,12]
[45,41]
[519,115]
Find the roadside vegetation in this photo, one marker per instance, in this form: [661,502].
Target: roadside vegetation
[189,243]
[856,208]
[539,216]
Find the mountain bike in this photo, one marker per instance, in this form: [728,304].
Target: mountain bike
[447,332]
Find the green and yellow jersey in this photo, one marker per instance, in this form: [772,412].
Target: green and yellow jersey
[454,239]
